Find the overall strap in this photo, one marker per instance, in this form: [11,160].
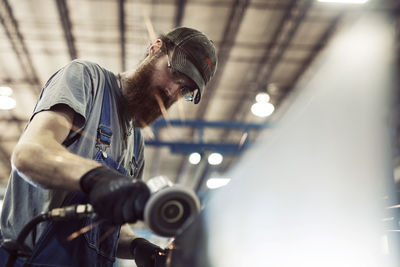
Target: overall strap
[136,143]
[104,132]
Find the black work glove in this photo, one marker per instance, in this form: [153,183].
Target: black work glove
[114,196]
[147,254]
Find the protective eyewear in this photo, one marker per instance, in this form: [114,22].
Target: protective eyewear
[187,91]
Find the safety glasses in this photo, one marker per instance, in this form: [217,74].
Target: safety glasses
[186,90]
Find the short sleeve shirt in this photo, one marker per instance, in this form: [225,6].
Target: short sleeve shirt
[80,85]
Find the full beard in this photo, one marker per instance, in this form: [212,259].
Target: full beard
[145,102]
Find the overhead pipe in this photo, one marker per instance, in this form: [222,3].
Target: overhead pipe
[14,35]
[231,29]
[180,12]
[264,59]
[122,33]
[63,11]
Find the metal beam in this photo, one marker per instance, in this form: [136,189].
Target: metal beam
[232,27]
[63,11]
[275,37]
[275,42]
[180,12]
[316,51]
[16,39]
[201,124]
[264,78]
[249,60]
[212,124]
[267,63]
[122,33]
[188,148]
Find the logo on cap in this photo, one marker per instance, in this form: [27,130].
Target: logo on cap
[209,62]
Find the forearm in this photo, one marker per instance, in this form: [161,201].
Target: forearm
[50,164]
[40,155]
[124,243]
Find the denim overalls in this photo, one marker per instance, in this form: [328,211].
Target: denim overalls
[96,247]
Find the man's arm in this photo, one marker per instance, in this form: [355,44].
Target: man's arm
[41,156]
[124,243]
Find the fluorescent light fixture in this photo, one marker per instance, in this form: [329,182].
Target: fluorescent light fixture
[215,158]
[7,102]
[262,97]
[5,91]
[213,183]
[345,1]
[194,158]
[262,109]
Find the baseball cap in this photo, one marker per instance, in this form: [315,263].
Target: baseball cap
[194,55]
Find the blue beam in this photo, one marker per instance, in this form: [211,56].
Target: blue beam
[213,124]
[188,148]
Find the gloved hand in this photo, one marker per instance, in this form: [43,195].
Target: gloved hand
[114,196]
[147,254]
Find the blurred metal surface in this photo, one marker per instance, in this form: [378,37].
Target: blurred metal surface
[317,189]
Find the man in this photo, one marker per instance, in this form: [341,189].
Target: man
[83,145]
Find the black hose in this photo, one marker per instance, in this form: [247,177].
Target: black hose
[18,247]
[22,236]
[29,226]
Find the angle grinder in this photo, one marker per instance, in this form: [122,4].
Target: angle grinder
[170,207]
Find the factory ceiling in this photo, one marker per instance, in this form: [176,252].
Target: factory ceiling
[263,46]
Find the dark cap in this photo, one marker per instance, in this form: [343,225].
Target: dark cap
[194,55]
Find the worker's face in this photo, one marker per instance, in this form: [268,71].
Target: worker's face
[153,89]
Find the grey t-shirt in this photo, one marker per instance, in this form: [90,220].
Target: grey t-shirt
[80,85]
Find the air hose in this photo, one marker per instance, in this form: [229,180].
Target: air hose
[18,249]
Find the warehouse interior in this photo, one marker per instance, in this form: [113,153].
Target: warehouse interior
[270,54]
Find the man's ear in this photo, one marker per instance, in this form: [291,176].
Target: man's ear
[155,47]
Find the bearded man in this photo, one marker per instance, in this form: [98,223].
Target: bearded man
[83,145]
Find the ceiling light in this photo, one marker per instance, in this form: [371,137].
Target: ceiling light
[213,183]
[7,102]
[262,109]
[194,158]
[5,91]
[215,158]
[345,1]
[262,97]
